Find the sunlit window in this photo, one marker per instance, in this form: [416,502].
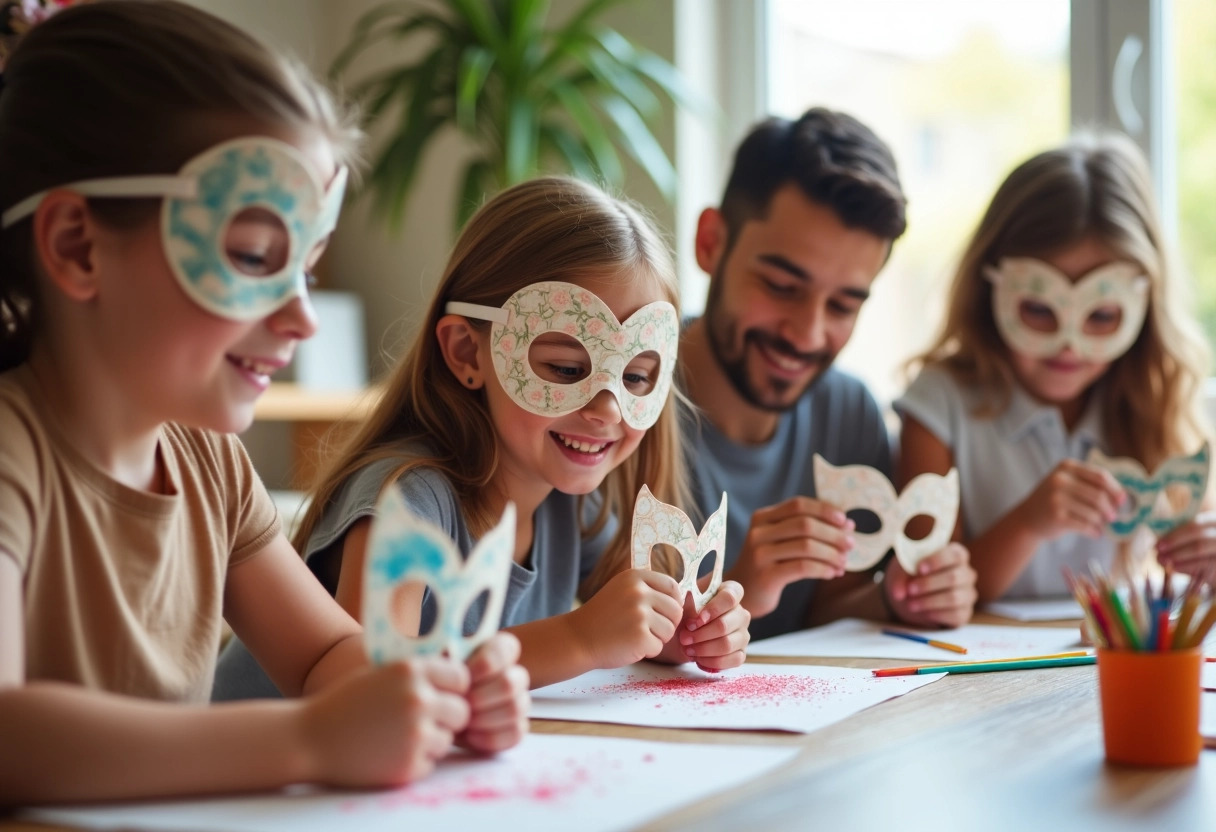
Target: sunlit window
[1194,51]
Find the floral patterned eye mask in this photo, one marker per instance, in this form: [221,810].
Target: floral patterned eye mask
[403,547]
[852,487]
[200,205]
[1018,279]
[1144,504]
[611,345]
[656,522]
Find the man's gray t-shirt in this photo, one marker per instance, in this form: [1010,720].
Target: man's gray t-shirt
[545,585]
[837,418]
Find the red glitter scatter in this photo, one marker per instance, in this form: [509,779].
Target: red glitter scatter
[722,691]
[540,787]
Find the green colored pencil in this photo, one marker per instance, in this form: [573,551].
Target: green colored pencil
[986,667]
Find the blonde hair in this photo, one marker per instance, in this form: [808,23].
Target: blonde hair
[551,228]
[1097,186]
[130,87]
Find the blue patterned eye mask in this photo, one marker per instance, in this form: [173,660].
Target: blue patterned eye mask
[253,180]
[1185,474]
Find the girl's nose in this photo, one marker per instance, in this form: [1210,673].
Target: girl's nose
[603,408]
[298,319]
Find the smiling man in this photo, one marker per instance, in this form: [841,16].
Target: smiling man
[808,219]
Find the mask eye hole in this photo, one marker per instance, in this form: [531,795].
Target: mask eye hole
[404,608]
[920,527]
[476,611]
[1174,499]
[558,358]
[1104,320]
[256,243]
[642,374]
[864,520]
[1037,316]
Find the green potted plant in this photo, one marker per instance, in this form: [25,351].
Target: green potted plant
[529,98]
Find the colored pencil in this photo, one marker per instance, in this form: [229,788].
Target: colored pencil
[914,669]
[988,667]
[932,642]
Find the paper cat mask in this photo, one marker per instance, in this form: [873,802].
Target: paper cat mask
[404,547]
[1144,505]
[862,487]
[657,522]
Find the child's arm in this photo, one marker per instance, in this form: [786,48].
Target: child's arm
[67,743]
[1075,497]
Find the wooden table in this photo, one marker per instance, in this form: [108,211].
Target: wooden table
[1019,750]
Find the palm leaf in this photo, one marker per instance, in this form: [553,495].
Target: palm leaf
[596,136]
[475,65]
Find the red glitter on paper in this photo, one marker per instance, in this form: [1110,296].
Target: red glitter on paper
[753,690]
[538,787]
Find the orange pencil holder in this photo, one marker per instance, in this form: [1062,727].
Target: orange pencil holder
[1150,706]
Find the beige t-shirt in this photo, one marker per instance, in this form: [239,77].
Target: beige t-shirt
[123,589]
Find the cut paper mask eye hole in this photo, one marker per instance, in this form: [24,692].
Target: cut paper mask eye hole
[404,548]
[1039,311]
[240,222]
[557,345]
[656,522]
[1169,498]
[851,487]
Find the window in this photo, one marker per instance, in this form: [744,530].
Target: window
[961,91]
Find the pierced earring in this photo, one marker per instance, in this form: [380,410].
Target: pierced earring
[469,381]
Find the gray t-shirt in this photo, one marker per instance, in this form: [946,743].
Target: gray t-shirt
[545,585]
[837,418]
[1002,459]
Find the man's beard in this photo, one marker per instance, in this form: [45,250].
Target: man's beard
[722,334]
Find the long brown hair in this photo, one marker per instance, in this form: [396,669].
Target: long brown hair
[551,228]
[129,87]
[1096,186]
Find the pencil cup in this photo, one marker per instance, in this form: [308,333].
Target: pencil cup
[1150,706]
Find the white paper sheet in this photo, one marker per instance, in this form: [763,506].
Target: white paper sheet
[752,697]
[855,638]
[546,783]
[1036,609]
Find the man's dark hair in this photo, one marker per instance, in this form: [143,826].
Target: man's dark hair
[834,159]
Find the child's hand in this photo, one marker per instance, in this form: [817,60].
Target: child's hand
[629,619]
[1075,497]
[799,538]
[716,637]
[1190,548]
[942,593]
[498,696]
[385,726]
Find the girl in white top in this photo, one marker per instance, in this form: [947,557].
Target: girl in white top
[166,184]
[1066,330]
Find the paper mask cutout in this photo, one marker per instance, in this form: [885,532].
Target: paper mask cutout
[1146,502]
[1018,279]
[571,310]
[202,201]
[657,522]
[402,547]
[860,486]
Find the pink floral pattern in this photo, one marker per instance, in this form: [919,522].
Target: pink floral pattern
[566,308]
